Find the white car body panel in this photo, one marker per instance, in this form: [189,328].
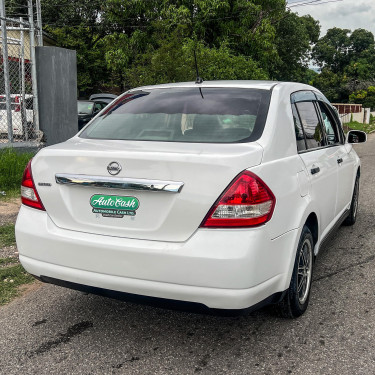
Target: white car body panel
[161,216]
[324,181]
[162,252]
[346,172]
[207,263]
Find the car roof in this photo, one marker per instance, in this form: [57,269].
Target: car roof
[265,85]
[255,84]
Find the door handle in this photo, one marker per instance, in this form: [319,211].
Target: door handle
[339,160]
[315,170]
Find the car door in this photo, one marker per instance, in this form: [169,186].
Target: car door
[345,161]
[319,159]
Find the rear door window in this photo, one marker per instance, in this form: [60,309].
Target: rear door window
[300,135]
[331,130]
[201,115]
[311,125]
[305,103]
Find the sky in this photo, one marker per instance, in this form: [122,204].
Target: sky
[346,14]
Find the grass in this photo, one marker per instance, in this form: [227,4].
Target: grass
[9,260]
[9,194]
[10,279]
[12,165]
[354,125]
[7,236]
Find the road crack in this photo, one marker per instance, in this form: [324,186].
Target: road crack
[340,270]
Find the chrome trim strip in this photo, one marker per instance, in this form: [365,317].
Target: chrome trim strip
[119,183]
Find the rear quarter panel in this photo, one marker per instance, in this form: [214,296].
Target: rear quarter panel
[280,169]
[281,164]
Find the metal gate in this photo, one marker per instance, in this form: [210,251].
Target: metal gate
[18,92]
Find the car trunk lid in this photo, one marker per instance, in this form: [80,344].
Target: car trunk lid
[162,192]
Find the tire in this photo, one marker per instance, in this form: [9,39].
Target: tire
[296,298]
[352,218]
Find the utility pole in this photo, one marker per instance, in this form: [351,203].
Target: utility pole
[39,23]
[6,70]
[33,67]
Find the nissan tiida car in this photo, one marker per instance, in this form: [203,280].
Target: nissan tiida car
[217,193]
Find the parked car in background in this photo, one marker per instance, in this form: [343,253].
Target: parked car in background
[87,109]
[22,127]
[103,98]
[218,193]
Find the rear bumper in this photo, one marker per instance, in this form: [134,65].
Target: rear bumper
[225,269]
[230,299]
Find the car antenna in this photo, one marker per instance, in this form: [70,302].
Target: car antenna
[199,79]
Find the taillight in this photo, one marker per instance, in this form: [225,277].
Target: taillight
[246,202]
[29,194]
[17,108]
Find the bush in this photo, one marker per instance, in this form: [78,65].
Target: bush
[12,165]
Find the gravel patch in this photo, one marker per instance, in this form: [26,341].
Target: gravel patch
[9,251]
[9,210]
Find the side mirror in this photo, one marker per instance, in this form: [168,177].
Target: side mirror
[356,136]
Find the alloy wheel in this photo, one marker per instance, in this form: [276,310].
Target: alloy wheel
[304,271]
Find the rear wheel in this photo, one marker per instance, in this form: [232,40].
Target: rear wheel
[296,299]
[352,218]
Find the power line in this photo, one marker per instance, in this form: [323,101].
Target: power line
[312,2]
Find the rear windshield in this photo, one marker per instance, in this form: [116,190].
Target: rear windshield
[203,115]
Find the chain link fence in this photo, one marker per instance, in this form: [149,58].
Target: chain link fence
[18,112]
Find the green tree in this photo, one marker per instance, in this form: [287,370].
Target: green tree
[332,50]
[78,25]
[294,38]
[245,34]
[173,61]
[348,62]
[364,97]
[333,85]
[361,40]
[131,42]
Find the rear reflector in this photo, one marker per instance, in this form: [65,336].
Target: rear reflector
[29,194]
[247,202]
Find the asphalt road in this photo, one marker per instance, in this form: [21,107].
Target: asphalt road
[57,331]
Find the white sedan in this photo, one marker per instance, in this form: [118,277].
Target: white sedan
[22,127]
[218,193]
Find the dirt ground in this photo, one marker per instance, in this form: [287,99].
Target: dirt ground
[8,215]
[9,210]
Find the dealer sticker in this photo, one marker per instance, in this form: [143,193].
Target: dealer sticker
[113,205]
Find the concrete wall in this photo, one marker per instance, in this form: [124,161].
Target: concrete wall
[359,116]
[363,117]
[57,93]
